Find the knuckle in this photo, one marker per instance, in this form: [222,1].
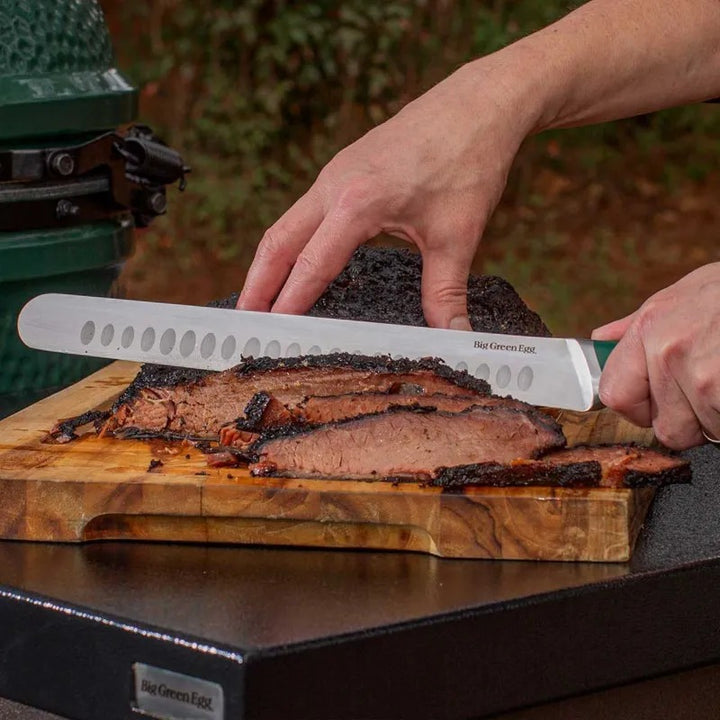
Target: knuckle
[670,357]
[445,296]
[654,309]
[310,265]
[631,407]
[607,397]
[645,318]
[441,305]
[618,402]
[706,383]
[306,264]
[272,243]
[450,293]
[669,435]
[355,196]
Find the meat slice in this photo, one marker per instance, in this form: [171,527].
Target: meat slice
[613,466]
[262,412]
[333,408]
[265,412]
[628,465]
[404,442]
[197,405]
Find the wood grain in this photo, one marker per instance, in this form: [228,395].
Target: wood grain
[102,488]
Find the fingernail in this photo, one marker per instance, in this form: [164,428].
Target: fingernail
[460,322]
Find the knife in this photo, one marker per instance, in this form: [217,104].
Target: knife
[550,372]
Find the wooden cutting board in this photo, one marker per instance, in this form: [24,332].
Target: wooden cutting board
[93,489]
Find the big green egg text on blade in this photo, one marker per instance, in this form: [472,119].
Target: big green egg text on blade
[549,372]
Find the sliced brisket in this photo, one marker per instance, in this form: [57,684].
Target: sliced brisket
[173,405]
[407,442]
[320,410]
[580,466]
[628,465]
[356,417]
[378,284]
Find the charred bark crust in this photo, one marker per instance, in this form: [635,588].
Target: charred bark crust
[382,285]
[153,376]
[576,474]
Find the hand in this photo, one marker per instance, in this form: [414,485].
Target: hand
[665,371]
[431,175]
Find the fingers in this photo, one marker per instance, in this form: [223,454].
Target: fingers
[646,379]
[675,422]
[614,330]
[625,382]
[277,252]
[695,368]
[322,260]
[444,289]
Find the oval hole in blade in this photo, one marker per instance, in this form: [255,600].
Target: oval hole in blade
[167,341]
[483,372]
[293,350]
[228,347]
[314,350]
[148,339]
[502,379]
[273,349]
[127,337]
[207,346]
[87,333]
[187,343]
[525,378]
[252,348]
[107,334]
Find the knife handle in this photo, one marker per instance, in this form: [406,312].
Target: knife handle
[603,348]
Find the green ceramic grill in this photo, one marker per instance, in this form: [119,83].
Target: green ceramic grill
[73,185]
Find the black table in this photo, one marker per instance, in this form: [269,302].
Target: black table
[288,633]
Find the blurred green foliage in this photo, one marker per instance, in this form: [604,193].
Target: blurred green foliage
[260,94]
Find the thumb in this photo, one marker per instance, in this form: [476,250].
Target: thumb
[444,291]
[613,330]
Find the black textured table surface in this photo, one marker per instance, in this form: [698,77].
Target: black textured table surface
[315,633]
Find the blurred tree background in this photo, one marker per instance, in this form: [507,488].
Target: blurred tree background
[259,94]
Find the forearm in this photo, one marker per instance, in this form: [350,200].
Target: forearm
[611,59]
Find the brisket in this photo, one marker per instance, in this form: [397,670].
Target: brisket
[199,408]
[629,465]
[383,285]
[378,284]
[613,466]
[317,410]
[374,418]
[481,446]
[406,442]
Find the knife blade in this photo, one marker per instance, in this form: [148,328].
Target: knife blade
[550,372]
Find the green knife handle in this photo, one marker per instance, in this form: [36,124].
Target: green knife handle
[603,348]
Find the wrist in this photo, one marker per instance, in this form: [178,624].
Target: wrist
[523,81]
